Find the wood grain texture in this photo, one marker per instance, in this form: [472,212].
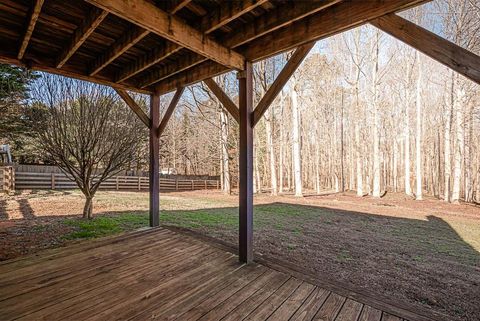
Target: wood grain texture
[162,275]
[128,40]
[245,186]
[154,164]
[92,21]
[30,26]
[169,111]
[148,16]
[287,71]
[134,106]
[446,52]
[227,103]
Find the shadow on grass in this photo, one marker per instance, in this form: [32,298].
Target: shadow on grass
[424,261]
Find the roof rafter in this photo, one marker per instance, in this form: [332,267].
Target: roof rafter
[30,26]
[148,16]
[88,26]
[128,39]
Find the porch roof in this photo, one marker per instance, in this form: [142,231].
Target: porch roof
[157,46]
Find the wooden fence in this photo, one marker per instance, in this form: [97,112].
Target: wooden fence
[7,179]
[27,180]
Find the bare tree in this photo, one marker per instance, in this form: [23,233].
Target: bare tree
[87,132]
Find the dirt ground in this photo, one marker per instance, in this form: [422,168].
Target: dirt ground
[426,253]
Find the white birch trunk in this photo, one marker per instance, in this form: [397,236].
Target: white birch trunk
[459,143]
[418,134]
[296,152]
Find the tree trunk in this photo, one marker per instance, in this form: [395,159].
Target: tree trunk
[408,188]
[88,208]
[418,134]
[296,152]
[271,150]
[458,158]
[376,139]
[448,126]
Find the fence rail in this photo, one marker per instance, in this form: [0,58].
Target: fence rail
[27,180]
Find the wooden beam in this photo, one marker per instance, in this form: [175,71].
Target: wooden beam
[186,61]
[279,18]
[169,111]
[92,21]
[148,16]
[227,12]
[128,39]
[287,71]
[326,23]
[245,185]
[339,18]
[223,98]
[67,71]
[276,19]
[446,52]
[178,5]
[134,106]
[154,168]
[156,55]
[30,26]
[190,76]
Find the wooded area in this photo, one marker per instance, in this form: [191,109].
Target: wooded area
[364,112]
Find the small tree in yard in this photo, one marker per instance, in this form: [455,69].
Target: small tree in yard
[88,132]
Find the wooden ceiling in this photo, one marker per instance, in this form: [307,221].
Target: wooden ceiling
[158,46]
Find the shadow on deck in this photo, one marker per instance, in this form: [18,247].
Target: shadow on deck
[166,275]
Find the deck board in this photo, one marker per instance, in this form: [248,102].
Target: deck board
[159,274]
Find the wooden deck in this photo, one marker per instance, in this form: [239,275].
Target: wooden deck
[164,275]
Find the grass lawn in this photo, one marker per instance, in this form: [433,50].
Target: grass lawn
[427,253]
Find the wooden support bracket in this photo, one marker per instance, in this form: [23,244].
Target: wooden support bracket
[287,71]
[223,98]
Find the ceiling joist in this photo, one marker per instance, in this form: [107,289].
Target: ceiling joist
[128,40]
[88,26]
[30,26]
[150,17]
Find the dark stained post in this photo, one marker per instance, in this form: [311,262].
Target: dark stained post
[154,160]
[246,164]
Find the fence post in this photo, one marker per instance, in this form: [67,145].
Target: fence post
[176,184]
[192,185]
[139,184]
[8,179]
[218,184]
[206,184]
[52,180]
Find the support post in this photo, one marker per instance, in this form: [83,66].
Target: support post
[154,181]
[245,241]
